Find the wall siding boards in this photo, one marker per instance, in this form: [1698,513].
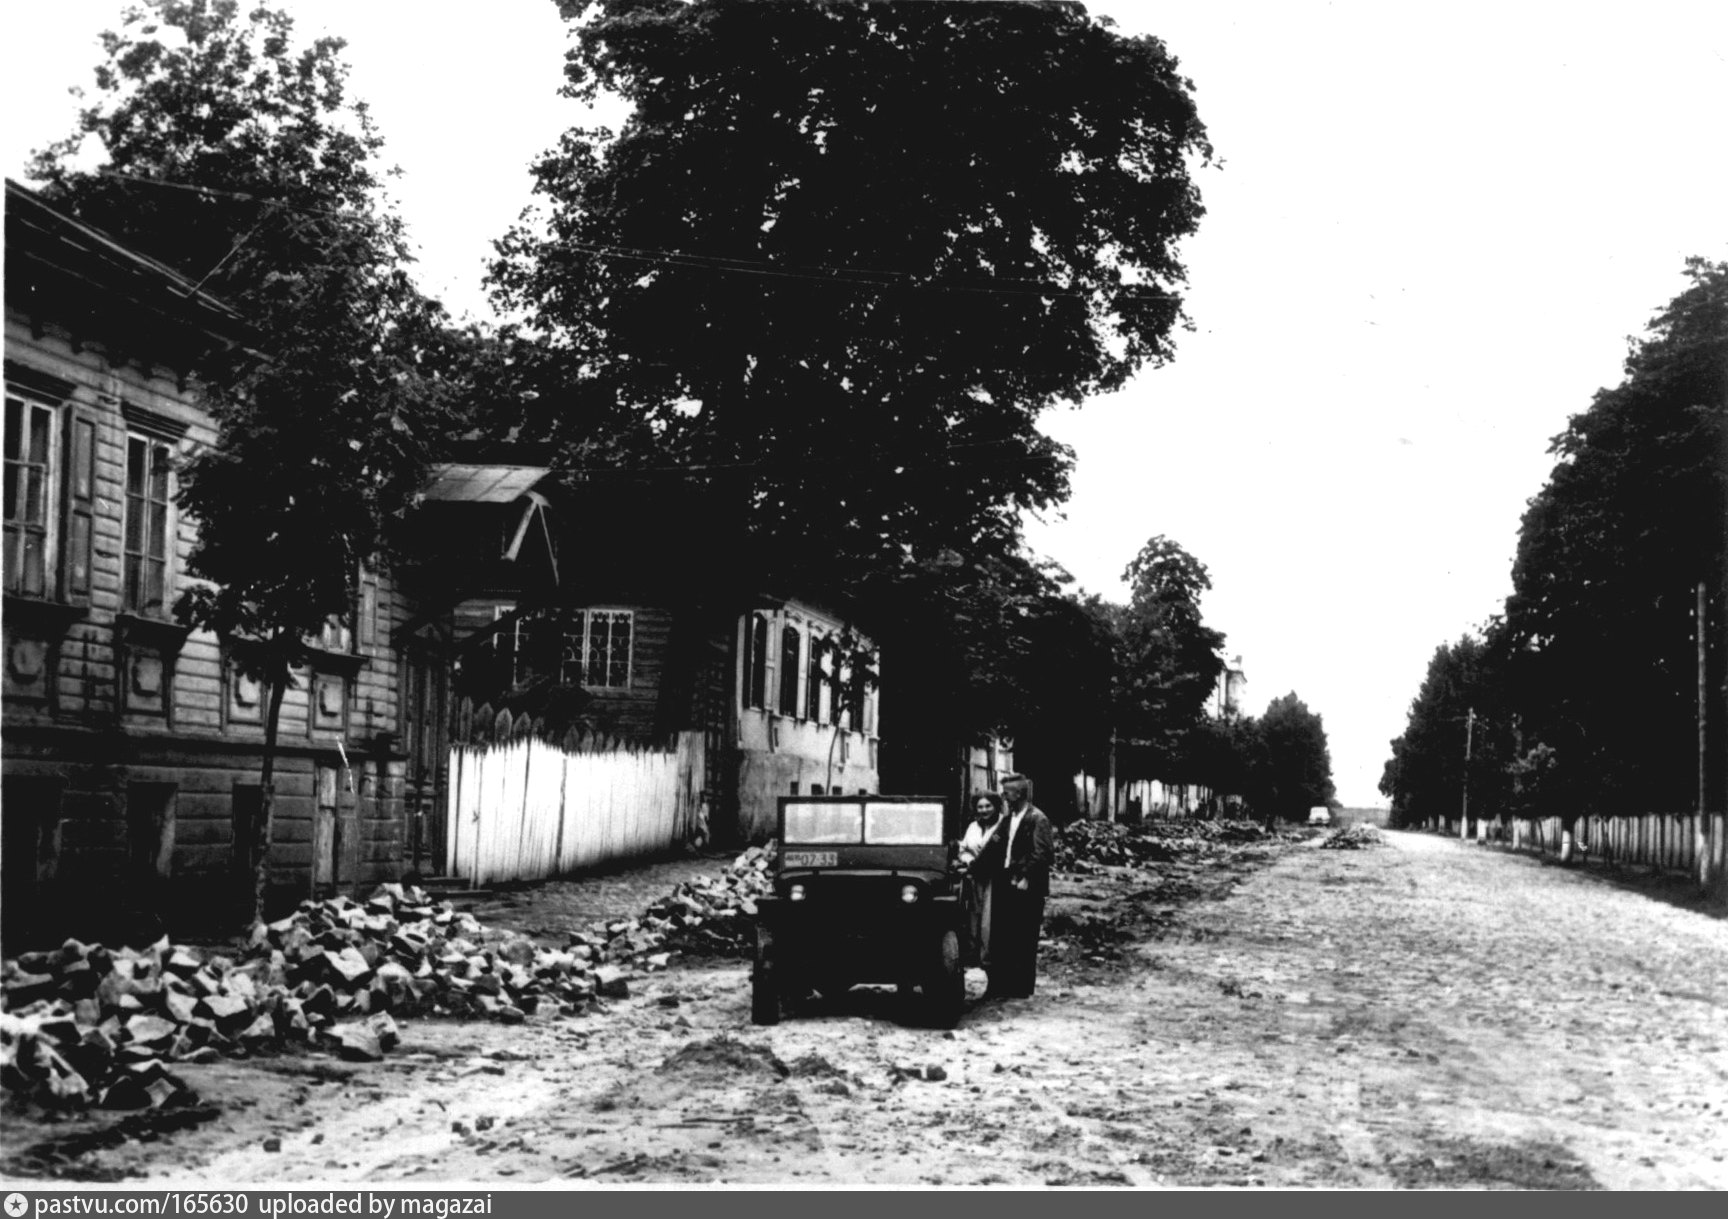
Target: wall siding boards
[84,731]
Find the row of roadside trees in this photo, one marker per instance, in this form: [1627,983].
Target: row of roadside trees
[807,303]
[1602,688]
[1127,690]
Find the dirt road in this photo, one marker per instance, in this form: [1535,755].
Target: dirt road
[1424,1013]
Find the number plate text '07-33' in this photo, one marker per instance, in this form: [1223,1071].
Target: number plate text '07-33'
[811,859]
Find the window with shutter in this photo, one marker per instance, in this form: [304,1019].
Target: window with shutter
[791,646]
[756,663]
[146,530]
[29,485]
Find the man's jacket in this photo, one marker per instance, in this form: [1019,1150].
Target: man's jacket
[1033,852]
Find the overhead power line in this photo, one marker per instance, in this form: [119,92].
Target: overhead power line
[860,276]
[795,469]
[841,274]
[215,193]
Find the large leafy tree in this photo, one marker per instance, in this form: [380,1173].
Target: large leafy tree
[996,646]
[1601,629]
[1297,761]
[1169,659]
[841,255]
[239,159]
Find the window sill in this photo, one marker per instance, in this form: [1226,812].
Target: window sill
[343,664]
[163,634]
[34,613]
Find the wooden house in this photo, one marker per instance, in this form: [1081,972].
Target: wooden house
[132,747]
[532,626]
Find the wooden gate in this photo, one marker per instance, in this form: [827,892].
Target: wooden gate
[425,723]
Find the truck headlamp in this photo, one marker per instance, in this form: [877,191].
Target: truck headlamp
[909,894]
[795,893]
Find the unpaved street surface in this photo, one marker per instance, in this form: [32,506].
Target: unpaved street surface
[1422,1013]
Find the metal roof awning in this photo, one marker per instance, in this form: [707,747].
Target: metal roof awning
[453,483]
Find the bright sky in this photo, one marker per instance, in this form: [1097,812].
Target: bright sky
[1433,230]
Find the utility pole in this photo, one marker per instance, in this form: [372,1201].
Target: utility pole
[1701,832]
[1111,817]
[1464,822]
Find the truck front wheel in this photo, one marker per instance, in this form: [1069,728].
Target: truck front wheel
[945,990]
[764,984]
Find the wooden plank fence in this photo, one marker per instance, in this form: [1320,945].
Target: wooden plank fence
[1669,842]
[528,810]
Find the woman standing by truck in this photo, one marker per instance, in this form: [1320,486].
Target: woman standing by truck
[981,854]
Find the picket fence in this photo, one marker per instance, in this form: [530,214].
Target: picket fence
[1664,841]
[528,810]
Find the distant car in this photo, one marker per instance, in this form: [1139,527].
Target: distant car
[1319,815]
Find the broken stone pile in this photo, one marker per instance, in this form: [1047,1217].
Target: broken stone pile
[399,951]
[1353,838]
[716,916]
[84,1024]
[1231,831]
[79,1029]
[1087,846]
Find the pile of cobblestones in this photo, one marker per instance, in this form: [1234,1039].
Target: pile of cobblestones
[88,1025]
[715,917]
[1088,846]
[1353,838]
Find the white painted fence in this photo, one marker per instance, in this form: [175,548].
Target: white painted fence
[1664,841]
[526,810]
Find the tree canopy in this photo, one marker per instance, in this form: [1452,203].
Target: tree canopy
[823,280]
[841,255]
[1298,762]
[1633,518]
[1170,659]
[239,160]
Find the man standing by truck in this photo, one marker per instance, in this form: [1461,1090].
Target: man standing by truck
[1024,883]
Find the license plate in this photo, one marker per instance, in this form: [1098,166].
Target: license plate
[811,859]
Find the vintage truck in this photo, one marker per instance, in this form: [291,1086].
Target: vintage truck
[866,890]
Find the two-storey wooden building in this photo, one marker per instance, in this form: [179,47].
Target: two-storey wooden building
[132,748]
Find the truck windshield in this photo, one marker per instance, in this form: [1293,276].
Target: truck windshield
[903,823]
[813,822]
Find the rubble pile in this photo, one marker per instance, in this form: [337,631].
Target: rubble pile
[88,1025]
[1232,831]
[1087,846]
[85,1024]
[399,951]
[1354,838]
[703,916]
[715,917]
